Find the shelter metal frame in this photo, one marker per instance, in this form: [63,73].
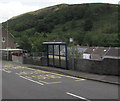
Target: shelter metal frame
[59,55]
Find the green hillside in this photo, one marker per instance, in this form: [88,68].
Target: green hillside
[89,24]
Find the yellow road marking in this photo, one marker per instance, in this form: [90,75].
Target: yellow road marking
[67,76]
[30,72]
[80,80]
[30,68]
[15,67]
[18,67]
[50,82]
[39,71]
[27,77]
[45,76]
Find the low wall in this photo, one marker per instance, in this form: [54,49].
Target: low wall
[29,60]
[107,66]
[18,59]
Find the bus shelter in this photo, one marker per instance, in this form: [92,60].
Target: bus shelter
[56,54]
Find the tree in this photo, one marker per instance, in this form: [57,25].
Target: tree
[24,43]
[88,24]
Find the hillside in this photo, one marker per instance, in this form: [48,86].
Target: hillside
[89,24]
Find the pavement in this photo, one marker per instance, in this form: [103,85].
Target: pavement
[89,76]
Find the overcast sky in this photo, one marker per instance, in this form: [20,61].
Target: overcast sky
[10,8]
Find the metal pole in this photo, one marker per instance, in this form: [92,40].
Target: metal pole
[72,41]
[53,57]
[7,43]
[73,55]
[66,53]
[59,57]
[47,55]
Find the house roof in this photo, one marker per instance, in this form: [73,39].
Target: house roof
[5,31]
[101,50]
[90,50]
[81,49]
[113,52]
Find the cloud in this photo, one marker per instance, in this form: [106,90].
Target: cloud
[10,9]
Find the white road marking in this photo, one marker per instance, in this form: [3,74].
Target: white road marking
[6,71]
[31,80]
[77,96]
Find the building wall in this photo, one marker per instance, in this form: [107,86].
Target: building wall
[86,56]
[8,40]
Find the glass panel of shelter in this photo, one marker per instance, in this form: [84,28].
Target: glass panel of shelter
[63,55]
[50,54]
[56,55]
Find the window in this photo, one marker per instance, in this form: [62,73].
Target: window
[3,39]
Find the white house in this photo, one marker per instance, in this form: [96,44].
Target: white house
[88,52]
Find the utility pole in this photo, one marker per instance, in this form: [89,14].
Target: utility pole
[7,42]
[72,41]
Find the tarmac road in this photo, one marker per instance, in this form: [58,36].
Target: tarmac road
[20,82]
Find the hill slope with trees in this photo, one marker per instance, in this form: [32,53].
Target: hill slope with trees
[94,24]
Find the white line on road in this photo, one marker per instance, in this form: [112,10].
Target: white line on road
[77,96]
[31,80]
[6,71]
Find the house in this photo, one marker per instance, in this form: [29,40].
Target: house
[99,53]
[81,49]
[113,53]
[87,53]
[7,39]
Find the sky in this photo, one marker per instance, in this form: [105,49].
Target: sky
[10,8]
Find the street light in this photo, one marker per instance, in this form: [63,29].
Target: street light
[72,41]
[7,43]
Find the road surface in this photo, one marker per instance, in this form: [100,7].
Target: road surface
[20,82]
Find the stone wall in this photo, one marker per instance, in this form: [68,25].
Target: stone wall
[33,61]
[107,66]
[18,59]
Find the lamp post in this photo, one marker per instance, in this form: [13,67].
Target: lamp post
[72,41]
[32,50]
[7,43]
